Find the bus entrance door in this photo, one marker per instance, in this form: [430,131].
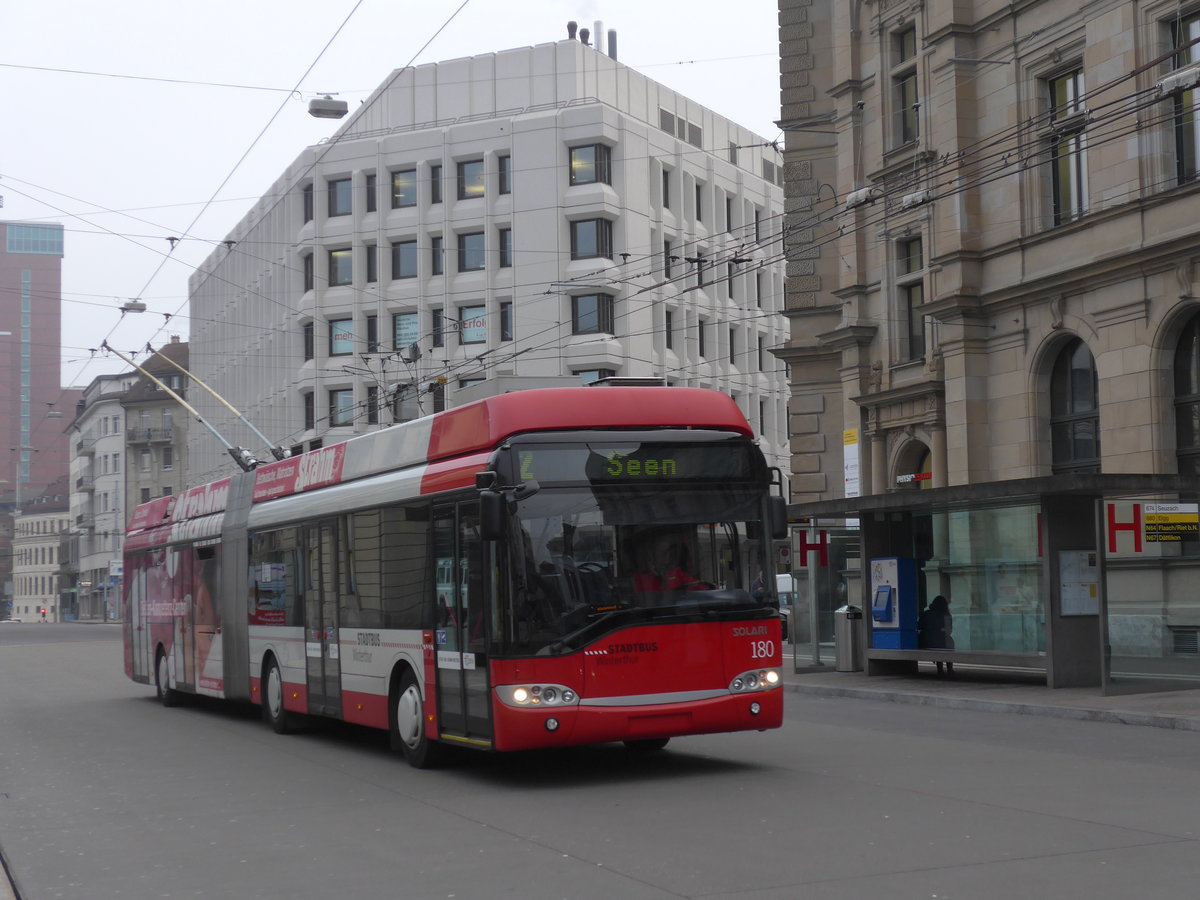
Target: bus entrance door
[323,661]
[464,710]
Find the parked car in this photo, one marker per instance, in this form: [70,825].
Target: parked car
[10,620]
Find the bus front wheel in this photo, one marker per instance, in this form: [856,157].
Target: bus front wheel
[274,713]
[408,725]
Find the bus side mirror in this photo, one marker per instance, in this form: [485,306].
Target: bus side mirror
[492,515]
[777,512]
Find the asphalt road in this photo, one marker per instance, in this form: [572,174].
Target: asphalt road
[104,794]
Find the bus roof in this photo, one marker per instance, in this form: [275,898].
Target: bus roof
[468,430]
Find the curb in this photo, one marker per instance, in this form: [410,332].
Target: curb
[1114,716]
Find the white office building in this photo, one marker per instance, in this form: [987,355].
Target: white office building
[537,217]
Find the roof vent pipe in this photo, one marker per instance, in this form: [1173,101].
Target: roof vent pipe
[584,34]
[598,35]
[612,43]
[572,27]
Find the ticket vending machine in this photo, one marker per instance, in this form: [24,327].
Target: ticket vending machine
[894,603]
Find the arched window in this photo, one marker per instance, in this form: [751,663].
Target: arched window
[1187,399]
[1075,411]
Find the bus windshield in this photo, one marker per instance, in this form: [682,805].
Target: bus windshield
[584,561]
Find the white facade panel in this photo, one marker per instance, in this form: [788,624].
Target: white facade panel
[485,287]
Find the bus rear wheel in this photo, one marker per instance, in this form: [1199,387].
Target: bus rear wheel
[274,714]
[162,681]
[408,725]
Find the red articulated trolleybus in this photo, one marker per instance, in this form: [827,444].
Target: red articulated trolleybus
[544,568]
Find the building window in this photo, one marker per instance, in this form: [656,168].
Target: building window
[168,457]
[701,329]
[145,495]
[145,461]
[591,238]
[760,354]
[167,490]
[437,255]
[592,314]
[591,164]
[341,407]
[1068,171]
[669,328]
[372,264]
[506,321]
[506,248]
[435,184]
[404,259]
[310,344]
[472,325]
[406,330]
[341,266]
[1186,121]
[372,404]
[733,346]
[590,376]
[470,179]
[438,328]
[306,196]
[905,98]
[666,189]
[371,187]
[1187,399]
[1075,411]
[910,290]
[340,197]
[341,337]
[504,175]
[404,188]
[471,256]
[728,214]
[372,334]
[699,202]
[307,264]
[668,260]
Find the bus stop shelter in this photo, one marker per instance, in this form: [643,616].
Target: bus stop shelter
[1089,578]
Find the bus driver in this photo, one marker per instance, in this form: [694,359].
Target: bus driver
[664,565]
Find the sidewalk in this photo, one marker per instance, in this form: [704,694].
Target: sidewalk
[1003,690]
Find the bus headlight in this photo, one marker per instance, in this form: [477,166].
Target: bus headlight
[755,680]
[532,696]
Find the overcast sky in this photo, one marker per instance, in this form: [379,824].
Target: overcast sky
[126,118]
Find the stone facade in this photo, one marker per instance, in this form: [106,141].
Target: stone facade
[970,190]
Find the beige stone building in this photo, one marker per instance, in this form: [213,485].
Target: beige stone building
[992,237]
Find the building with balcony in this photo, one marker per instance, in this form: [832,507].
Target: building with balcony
[535,217]
[156,427]
[98,508]
[995,350]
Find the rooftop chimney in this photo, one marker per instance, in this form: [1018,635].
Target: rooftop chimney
[572,27]
[583,37]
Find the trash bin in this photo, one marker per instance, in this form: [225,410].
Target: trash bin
[848,638]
